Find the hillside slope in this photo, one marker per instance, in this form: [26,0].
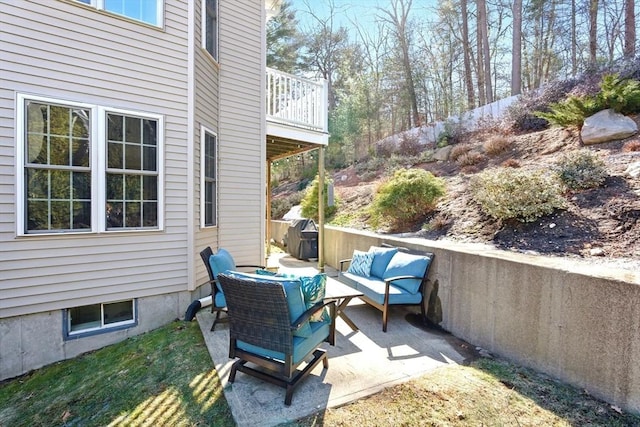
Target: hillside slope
[601,223]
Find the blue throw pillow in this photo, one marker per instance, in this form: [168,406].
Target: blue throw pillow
[361,263]
[313,290]
[403,264]
[381,258]
[293,292]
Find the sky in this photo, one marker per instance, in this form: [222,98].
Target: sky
[350,12]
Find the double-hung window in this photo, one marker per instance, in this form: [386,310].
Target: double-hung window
[87,168]
[210,27]
[208,178]
[148,11]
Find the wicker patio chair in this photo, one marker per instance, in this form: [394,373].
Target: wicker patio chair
[262,333]
[218,303]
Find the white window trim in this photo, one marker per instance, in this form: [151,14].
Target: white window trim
[203,29]
[99,4]
[203,131]
[98,166]
[103,327]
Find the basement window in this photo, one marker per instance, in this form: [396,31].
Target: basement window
[99,318]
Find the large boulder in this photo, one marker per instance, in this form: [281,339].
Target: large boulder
[607,125]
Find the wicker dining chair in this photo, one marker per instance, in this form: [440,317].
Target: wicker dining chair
[218,303]
[261,333]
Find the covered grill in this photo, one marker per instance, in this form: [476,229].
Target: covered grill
[301,239]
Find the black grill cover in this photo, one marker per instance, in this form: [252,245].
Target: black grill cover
[301,239]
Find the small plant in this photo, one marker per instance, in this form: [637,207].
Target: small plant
[309,203]
[470,159]
[459,151]
[581,169]
[517,194]
[438,223]
[282,205]
[630,146]
[410,145]
[451,134]
[405,198]
[510,163]
[497,145]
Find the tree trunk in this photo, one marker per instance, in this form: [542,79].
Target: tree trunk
[629,29]
[486,54]
[574,40]
[466,47]
[593,30]
[482,99]
[516,49]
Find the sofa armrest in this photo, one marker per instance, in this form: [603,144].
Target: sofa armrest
[251,265]
[343,262]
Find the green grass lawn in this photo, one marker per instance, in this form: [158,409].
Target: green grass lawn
[166,378]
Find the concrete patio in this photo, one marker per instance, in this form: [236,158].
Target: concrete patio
[360,364]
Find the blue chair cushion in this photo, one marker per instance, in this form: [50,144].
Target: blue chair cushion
[374,289]
[293,292]
[361,263]
[220,301]
[221,262]
[381,258]
[301,346]
[403,264]
[313,291]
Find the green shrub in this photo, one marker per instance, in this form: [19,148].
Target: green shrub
[621,95]
[405,198]
[507,193]
[309,203]
[581,169]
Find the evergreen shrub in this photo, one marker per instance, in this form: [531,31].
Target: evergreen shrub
[405,198]
[524,195]
[309,203]
[581,169]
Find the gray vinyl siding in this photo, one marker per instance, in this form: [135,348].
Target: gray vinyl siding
[63,50]
[241,130]
[205,114]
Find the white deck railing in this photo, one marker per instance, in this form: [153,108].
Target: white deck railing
[297,101]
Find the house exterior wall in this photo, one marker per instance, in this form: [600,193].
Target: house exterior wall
[71,52]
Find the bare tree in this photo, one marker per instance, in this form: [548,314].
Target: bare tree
[466,49]
[483,46]
[398,17]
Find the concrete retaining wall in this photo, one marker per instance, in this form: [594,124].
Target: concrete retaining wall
[574,321]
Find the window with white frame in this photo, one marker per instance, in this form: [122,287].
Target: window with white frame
[208,180]
[148,11]
[210,27]
[87,168]
[97,317]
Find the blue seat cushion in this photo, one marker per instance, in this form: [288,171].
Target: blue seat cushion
[403,264]
[381,258]
[374,289]
[301,346]
[220,301]
[292,291]
[361,263]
